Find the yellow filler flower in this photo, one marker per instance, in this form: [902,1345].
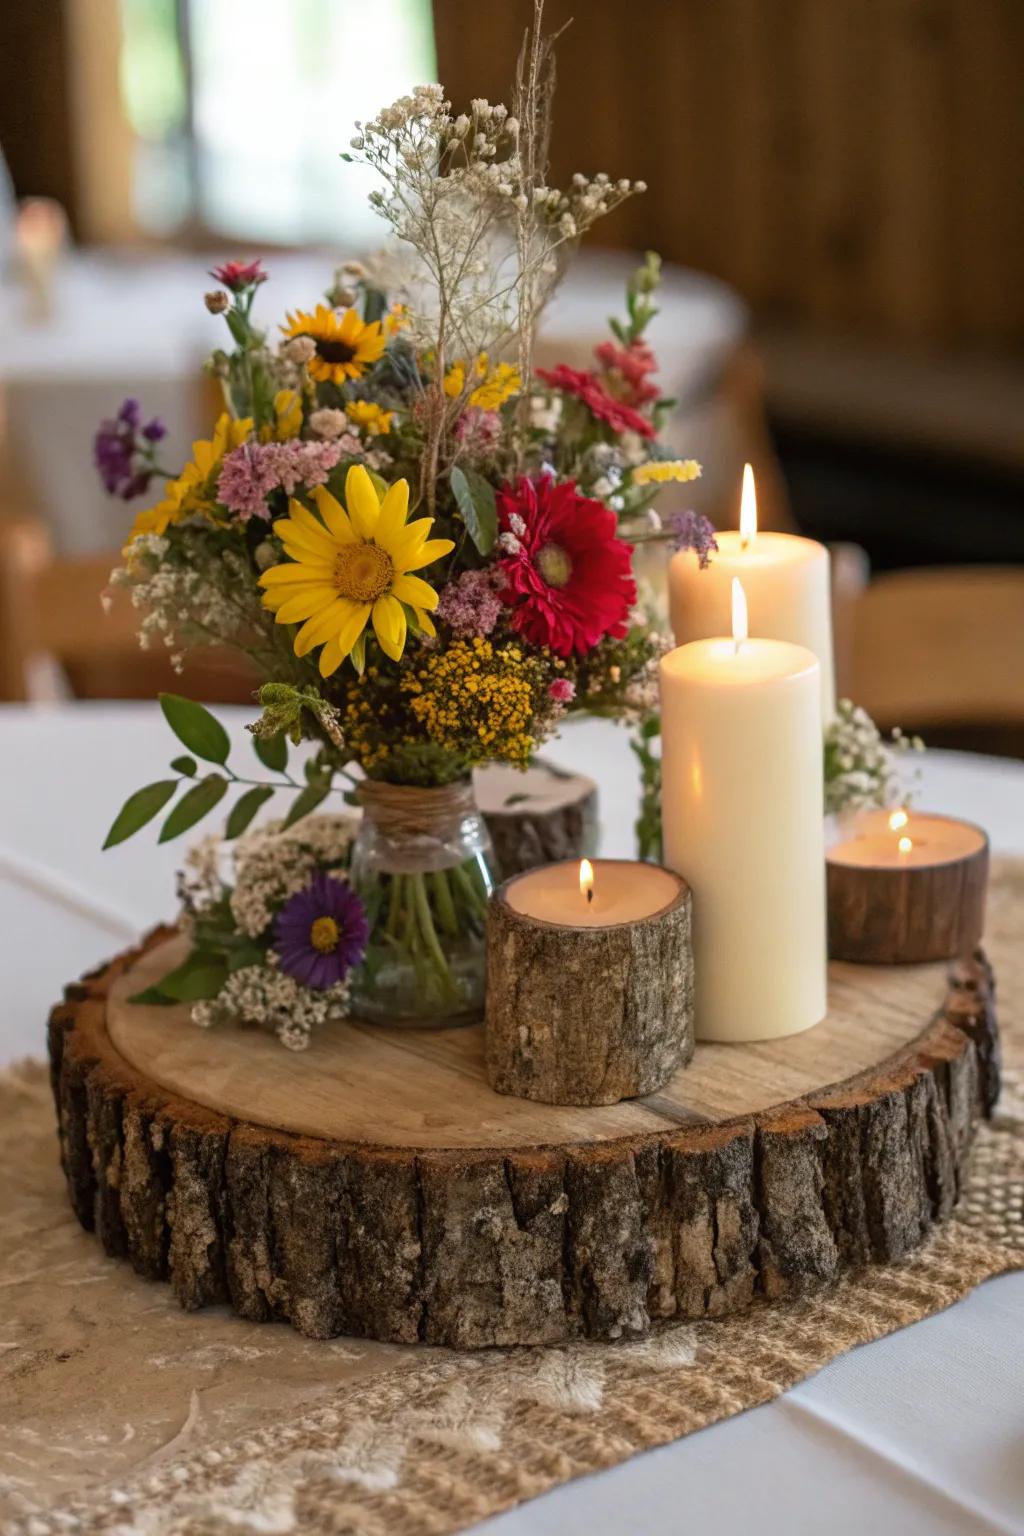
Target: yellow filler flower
[345,345]
[354,566]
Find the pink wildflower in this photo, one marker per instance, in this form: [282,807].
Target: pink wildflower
[250,473]
[469,605]
[562,690]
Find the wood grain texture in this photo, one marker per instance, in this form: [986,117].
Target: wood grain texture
[881,916]
[587,1016]
[539,816]
[536,1224]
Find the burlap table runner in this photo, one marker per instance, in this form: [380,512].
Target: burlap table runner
[122,1414]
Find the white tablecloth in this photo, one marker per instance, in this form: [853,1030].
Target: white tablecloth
[920,1434]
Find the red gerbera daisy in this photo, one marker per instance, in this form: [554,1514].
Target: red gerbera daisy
[568,579]
[588,388]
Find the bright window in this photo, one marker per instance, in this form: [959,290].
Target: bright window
[241,109]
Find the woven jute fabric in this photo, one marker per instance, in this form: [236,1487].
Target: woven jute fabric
[121,1414]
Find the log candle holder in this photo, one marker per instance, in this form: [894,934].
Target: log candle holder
[589,993]
[906,888]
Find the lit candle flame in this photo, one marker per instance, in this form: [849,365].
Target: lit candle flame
[587,880]
[748,508]
[739,612]
[905,844]
[898,820]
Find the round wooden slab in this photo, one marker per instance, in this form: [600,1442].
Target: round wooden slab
[375,1185]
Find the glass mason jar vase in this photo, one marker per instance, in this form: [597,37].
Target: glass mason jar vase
[422,865]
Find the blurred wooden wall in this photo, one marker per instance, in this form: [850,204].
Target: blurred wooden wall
[849,165]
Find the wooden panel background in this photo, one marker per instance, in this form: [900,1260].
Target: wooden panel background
[854,165]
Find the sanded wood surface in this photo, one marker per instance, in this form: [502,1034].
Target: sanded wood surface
[374,1185]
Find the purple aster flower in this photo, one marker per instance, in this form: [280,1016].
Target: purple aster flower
[321,932]
[692,530]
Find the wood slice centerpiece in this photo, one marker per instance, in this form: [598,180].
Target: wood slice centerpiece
[375,1185]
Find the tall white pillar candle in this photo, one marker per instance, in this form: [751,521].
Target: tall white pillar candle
[786,580]
[742,815]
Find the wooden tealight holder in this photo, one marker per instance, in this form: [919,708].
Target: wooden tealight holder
[887,913]
[588,1014]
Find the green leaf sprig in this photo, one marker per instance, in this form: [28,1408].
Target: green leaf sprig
[206,739]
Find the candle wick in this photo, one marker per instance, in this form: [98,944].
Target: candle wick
[736,647]
[590,896]
[744,541]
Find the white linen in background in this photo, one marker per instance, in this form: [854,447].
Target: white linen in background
[919,1434]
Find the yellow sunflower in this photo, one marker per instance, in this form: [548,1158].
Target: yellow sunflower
[353,567]
[345,345]
[188,493]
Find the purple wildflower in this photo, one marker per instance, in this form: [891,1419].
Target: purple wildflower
[470,605]
[321,932]
[250,473]
[692,530]
[123,453]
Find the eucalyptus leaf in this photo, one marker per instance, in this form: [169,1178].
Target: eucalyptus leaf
[153,997]
[272,751]
[196,728]
[474,497]
[197,978]
[140,808]
[243,811]
[198,802]
[305,802]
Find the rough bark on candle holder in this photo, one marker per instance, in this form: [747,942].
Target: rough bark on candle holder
[587,1015]
[907,916]
[541,816]
[417,1205]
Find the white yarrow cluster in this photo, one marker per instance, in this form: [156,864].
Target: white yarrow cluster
[265,996]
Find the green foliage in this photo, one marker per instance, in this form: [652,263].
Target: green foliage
[196,728]
[243,811]
[272,751]
[474,497]
[139,809]
[194,805]
[283,706]
[648,823]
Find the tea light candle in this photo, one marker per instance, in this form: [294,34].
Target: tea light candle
[589,982]
[742,815]
[787,584]
[905,887]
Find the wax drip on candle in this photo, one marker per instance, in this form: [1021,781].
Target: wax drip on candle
[739,614]
[587,880]
[748,508]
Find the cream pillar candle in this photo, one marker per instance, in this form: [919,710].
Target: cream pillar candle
[743,821]
[786,580]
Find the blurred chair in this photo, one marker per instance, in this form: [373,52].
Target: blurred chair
[941,651]
[56,635]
